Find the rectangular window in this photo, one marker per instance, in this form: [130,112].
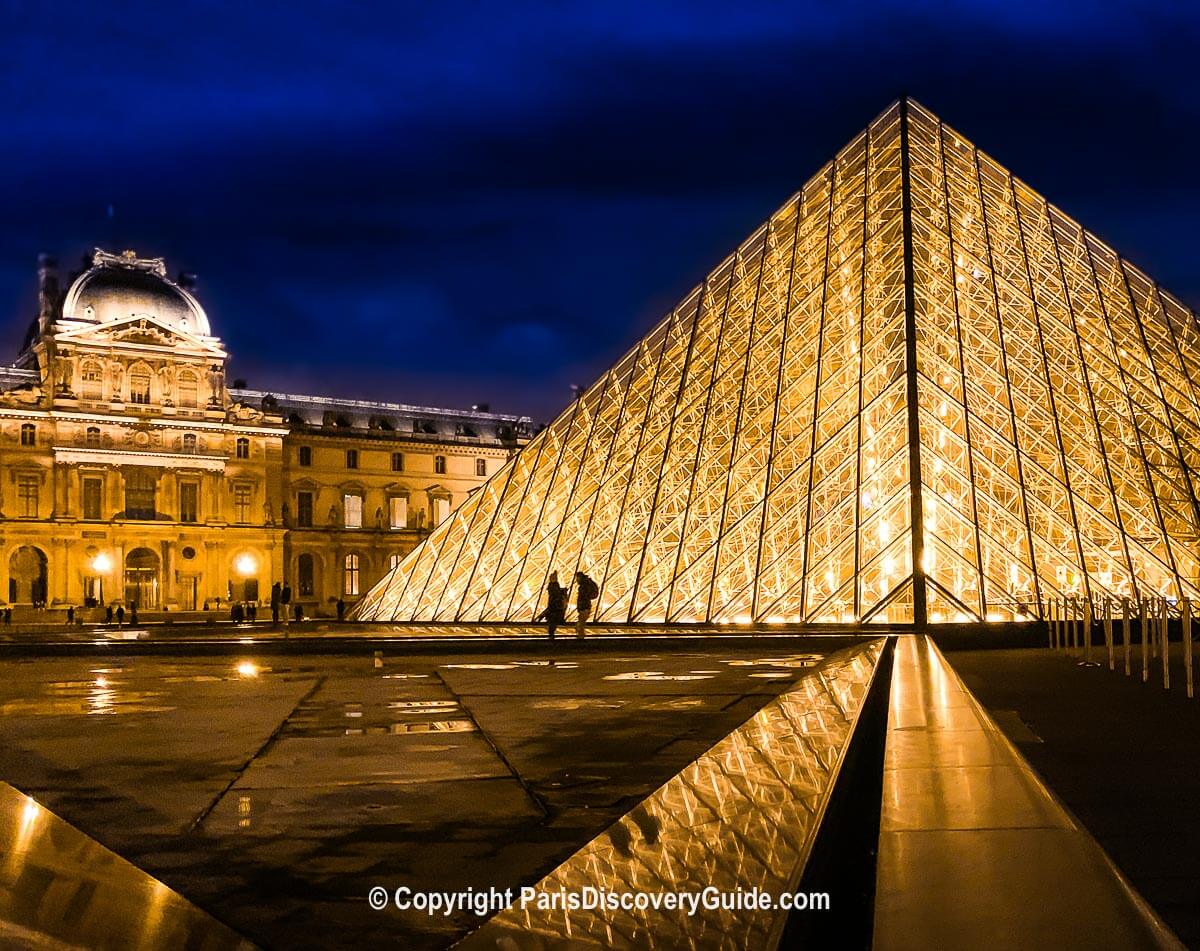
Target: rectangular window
[351,582]
[241,502]
[28,434]
[93,492]
[351,458]
[139,385]
[93,381]
[393,562]
[304,509]
[305,455]
[352,506]
[397,462]
[27,496]
[189,501]
[243,448]
[306,579]
[398,511]
[189,442]
[441,508]
[481,467]
[439,465]
[140,485]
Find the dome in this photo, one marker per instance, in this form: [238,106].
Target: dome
[118,286]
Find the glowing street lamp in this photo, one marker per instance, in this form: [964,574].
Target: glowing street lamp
[102,565]
[245,565]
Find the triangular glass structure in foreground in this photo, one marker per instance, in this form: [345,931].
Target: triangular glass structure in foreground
[916,393]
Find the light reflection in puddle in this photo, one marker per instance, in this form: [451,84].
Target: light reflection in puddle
[435,726]
[778,675]
[480,666]
[578,703]
[248,669]
[656,675]
[676,703]
[705,671]
[244,812]
[423,706]
[405,676]
[795,661]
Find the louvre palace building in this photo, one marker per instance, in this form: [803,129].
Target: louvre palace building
[132,473]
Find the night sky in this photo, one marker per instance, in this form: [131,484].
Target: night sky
[455,203]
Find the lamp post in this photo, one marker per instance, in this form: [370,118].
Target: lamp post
[102,565]
[246,566]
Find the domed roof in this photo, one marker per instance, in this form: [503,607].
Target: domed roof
[118,286]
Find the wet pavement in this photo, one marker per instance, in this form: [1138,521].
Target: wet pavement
[274,791]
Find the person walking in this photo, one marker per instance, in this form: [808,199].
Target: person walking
[276,600]
[108,614]
[556,604]
[133,613]
[285,598]
[120,615]
[586,591]
[341,610]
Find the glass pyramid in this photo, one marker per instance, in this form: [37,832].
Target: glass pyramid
[917,393]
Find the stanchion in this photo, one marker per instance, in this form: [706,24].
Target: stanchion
[1154,632]
[1085,630]
[1143,619]
[1185,637]
[1163,621]
[1125,645]
[1108,634]
[1072,607]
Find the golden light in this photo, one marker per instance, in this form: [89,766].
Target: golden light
[102,564]
[247,668]
[245,564]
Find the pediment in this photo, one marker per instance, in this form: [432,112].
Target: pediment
[142,330]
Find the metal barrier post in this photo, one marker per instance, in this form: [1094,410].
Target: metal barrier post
[1050,625]
[1185,620]
[1108,634]
[1087,631]
[1154,630]
[1072,608]
[1125,632]
[1143,618]
[1164,621]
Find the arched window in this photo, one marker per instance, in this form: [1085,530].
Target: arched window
[91,378]
[306,576]
[189,442]
[439,465]
[139,385]
[350,585]
[92,436]
[28,434]
[243,448]
[189,388]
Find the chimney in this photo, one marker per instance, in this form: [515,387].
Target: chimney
[186,280]
[47,287]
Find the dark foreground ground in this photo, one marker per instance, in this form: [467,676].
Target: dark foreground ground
[275,791]
[1123,755]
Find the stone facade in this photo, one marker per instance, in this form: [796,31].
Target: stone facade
[130,472]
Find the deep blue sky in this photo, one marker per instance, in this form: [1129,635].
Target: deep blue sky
[461,202]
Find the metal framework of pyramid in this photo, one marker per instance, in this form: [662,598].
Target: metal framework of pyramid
[917,393]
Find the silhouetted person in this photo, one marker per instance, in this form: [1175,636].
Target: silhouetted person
[586,591]
[71,614]
[133,613]
[120,615]
[8,615]
[276,598]
[285,596]
[556,605]
[298,613]
[108,615]
[341,609]
[252,611]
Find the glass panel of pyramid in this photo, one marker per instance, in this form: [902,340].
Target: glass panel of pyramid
[917,392]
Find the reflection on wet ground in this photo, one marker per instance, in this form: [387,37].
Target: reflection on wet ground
[275,794]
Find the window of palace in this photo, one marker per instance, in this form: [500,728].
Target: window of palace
[304,509]
[189,389]
[352,506]
[398,512]
[140,485]
[189,442]
[350,583]
[305,455]
[305,575]
[351,458]
[241,502]
[481,467]
[27,496]
[93,493]
[242,447]
[397,462]
[92,436]
[28,434]
[91,377]
[189,501]
[393,561]
[139,385]
[439,465]
[441,508]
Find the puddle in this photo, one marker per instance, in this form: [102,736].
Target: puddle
[795,660]
[578,703]
[405,676]
[434,726]
[423,706]
[656,675]
[677,703]
[774,676]
[480,666]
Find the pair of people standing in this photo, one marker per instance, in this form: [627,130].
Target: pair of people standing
[586,592]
